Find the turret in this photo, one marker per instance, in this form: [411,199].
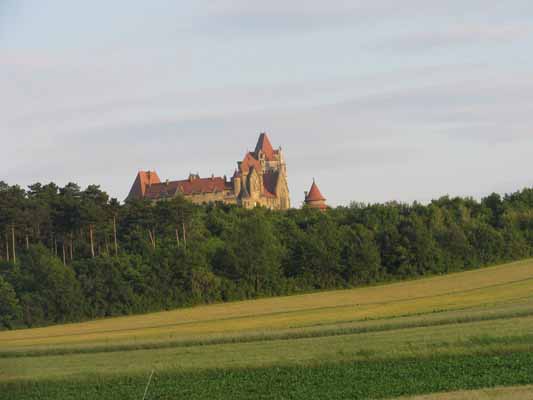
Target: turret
[314,199]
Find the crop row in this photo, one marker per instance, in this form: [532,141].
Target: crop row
[354,380]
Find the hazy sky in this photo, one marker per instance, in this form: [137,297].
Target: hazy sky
[378,100]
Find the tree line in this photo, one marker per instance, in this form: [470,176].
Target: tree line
[68,254]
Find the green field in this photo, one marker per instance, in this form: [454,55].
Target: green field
[469,330]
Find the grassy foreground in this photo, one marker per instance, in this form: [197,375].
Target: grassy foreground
[468,330]
[355,380]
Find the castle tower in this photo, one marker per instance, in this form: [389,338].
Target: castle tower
[314,199]
[263,175]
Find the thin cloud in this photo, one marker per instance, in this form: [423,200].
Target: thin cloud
[456,36]
[300,15]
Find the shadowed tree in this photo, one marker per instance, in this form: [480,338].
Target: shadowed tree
[360,256]
[251,255]
[10,309]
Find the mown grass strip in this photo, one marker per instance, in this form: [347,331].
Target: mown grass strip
[354,380]
[296,311]
[305,334]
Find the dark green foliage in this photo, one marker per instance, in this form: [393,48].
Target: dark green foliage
[47,289]
[110,285]
[360,256]
[355,380]
[251,256]
[170,254]
[9,305]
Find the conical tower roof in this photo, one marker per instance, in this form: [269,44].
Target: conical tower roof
[314,194]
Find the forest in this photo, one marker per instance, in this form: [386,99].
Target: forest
[72,254]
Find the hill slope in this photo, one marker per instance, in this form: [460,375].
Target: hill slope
[460,318]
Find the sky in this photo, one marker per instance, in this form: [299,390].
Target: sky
[378,100]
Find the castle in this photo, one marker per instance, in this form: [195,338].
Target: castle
[259,180]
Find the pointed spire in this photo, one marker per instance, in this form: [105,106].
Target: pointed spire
[314,193]
[265,146]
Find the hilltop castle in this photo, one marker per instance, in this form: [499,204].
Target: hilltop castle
[259,180]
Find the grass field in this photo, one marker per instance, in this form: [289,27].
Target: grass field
[477,325]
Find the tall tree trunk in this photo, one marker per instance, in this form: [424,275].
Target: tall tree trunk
[177,236]
[71,248]
[115,234]
[13,238]
[184,235]
[7,247]
[27,242]
[91,239]
[55,246]
[64,252]
[152,237]
[106,242]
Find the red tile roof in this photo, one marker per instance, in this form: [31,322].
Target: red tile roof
[143,180]
[264,144]
[250,161]
[188,187]
[314,194]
